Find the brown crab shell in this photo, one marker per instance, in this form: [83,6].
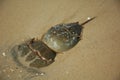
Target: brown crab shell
[25,58]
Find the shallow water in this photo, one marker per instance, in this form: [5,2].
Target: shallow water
[95,57]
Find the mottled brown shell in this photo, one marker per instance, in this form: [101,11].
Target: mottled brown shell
[63,37]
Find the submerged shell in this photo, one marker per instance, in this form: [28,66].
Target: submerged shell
[63,37]
[24,57]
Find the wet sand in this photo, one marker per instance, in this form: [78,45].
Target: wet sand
[95,57]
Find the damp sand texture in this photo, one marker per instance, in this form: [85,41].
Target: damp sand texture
[95,57]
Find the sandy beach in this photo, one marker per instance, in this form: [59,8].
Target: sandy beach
[95,57]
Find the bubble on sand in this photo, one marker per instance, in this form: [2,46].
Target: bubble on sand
[88,18]
[4,54]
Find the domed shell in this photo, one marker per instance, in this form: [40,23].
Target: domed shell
[62,37]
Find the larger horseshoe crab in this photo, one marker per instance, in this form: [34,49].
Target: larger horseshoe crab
[36,53]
